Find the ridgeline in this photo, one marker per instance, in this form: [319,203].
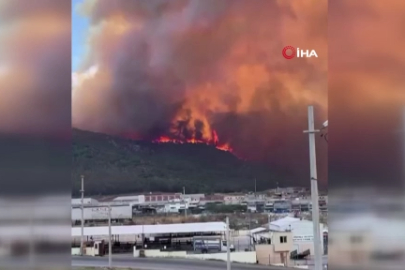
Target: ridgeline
[114,165]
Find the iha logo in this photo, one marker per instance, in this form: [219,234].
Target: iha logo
[290,52]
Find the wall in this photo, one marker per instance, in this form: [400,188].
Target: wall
[346,253]
[267,256]
[101,212]
[155,253]
[89,251]
[240,257]
[278,246]
[303,236]
[75,251]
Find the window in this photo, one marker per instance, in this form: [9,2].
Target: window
[283,239]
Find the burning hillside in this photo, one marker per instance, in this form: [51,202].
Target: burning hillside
[204,71]
[185,138]
[214,141]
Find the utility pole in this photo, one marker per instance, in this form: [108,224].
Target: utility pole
[82,219]
[403,145]
[314,189]
[255,187]
[185,204]
[228,246]
[269,221]
[109,237]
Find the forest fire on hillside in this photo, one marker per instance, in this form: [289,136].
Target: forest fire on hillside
[214,141]
[204,72]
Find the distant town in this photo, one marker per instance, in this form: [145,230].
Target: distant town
[275,223]
[295,201]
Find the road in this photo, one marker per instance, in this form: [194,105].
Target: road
[125,261]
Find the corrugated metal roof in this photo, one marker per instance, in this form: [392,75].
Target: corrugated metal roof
[152,229]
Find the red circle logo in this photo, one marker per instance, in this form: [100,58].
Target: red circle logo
[291,55]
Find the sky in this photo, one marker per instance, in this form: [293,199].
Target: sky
[189,69]
[203,65]
[79,26]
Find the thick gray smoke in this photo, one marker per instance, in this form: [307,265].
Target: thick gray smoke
[185,68]
[35,38]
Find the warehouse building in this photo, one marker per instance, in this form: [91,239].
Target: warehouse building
[162,236]
[98,212]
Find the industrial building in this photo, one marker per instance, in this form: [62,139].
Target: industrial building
[162,236]
[302,232]
[119,212]
[86,201]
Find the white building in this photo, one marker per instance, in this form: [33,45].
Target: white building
[234,199]
[100,212]
[86,201]
[302,230]
[192,197]
[134,200]
[175,207]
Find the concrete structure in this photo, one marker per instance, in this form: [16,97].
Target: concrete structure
[301,205]
[239,257]
[86,201]
[302,230]
[281,206]
[134,200]
[192,197]
[234,198]
[175,207]
[212,199]
[278,251]
[100,212]
[161,198]
[152,229]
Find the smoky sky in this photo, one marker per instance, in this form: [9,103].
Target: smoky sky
[366,93]
[35,97]
[35,81]
[188,68]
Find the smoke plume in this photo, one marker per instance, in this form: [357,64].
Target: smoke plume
[35,66]
[366,92]
[191,69]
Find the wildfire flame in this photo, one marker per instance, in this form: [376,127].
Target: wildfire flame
[214,141]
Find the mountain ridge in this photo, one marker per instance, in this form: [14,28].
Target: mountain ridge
[114,165]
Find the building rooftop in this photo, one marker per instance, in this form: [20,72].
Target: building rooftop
[152,229]
[280,224]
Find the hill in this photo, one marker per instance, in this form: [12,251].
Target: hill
[114,165]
